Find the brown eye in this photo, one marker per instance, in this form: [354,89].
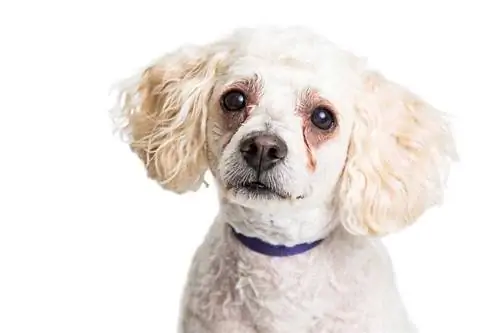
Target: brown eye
[234,100]
[323,118]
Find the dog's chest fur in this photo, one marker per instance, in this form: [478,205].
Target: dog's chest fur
[343,285]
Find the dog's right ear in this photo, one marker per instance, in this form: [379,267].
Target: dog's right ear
[164,113]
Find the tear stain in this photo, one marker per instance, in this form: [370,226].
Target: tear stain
[311,160]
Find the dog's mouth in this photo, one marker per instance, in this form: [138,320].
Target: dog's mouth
[259,190]
[257,187]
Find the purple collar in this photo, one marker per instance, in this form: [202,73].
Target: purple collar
[258,245]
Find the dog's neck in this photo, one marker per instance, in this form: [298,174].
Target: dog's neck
[287,227]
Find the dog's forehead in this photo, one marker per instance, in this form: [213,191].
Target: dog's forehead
[272,73]
[296,59]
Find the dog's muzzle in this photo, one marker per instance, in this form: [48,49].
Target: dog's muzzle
[256,174]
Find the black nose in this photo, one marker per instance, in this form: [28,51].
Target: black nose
[263,151]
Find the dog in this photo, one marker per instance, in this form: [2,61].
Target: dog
[314,156]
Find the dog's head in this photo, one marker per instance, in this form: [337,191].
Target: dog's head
[283,118]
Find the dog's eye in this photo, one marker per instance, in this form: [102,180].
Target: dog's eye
[323,118]
[234,100]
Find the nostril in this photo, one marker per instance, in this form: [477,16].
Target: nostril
[253,149]
[273,153]
[250,148]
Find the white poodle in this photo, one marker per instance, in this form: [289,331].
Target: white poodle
[313,155]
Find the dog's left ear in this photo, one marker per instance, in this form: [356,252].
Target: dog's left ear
[398,160]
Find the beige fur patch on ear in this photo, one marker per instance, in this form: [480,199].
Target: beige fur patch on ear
[165,114]
[398,162]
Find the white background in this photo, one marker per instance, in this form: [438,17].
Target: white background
[89,244]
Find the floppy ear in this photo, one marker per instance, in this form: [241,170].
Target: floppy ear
[165,113]
[398,160]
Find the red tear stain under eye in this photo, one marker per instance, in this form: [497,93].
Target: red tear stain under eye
[311,160]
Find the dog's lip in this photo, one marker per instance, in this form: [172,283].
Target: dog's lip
[260,187]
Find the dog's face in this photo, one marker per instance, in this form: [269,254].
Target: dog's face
[277,132]
[283,118]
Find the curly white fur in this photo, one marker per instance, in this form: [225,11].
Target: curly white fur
[382,167]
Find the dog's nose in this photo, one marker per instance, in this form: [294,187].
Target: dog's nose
[263,151]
